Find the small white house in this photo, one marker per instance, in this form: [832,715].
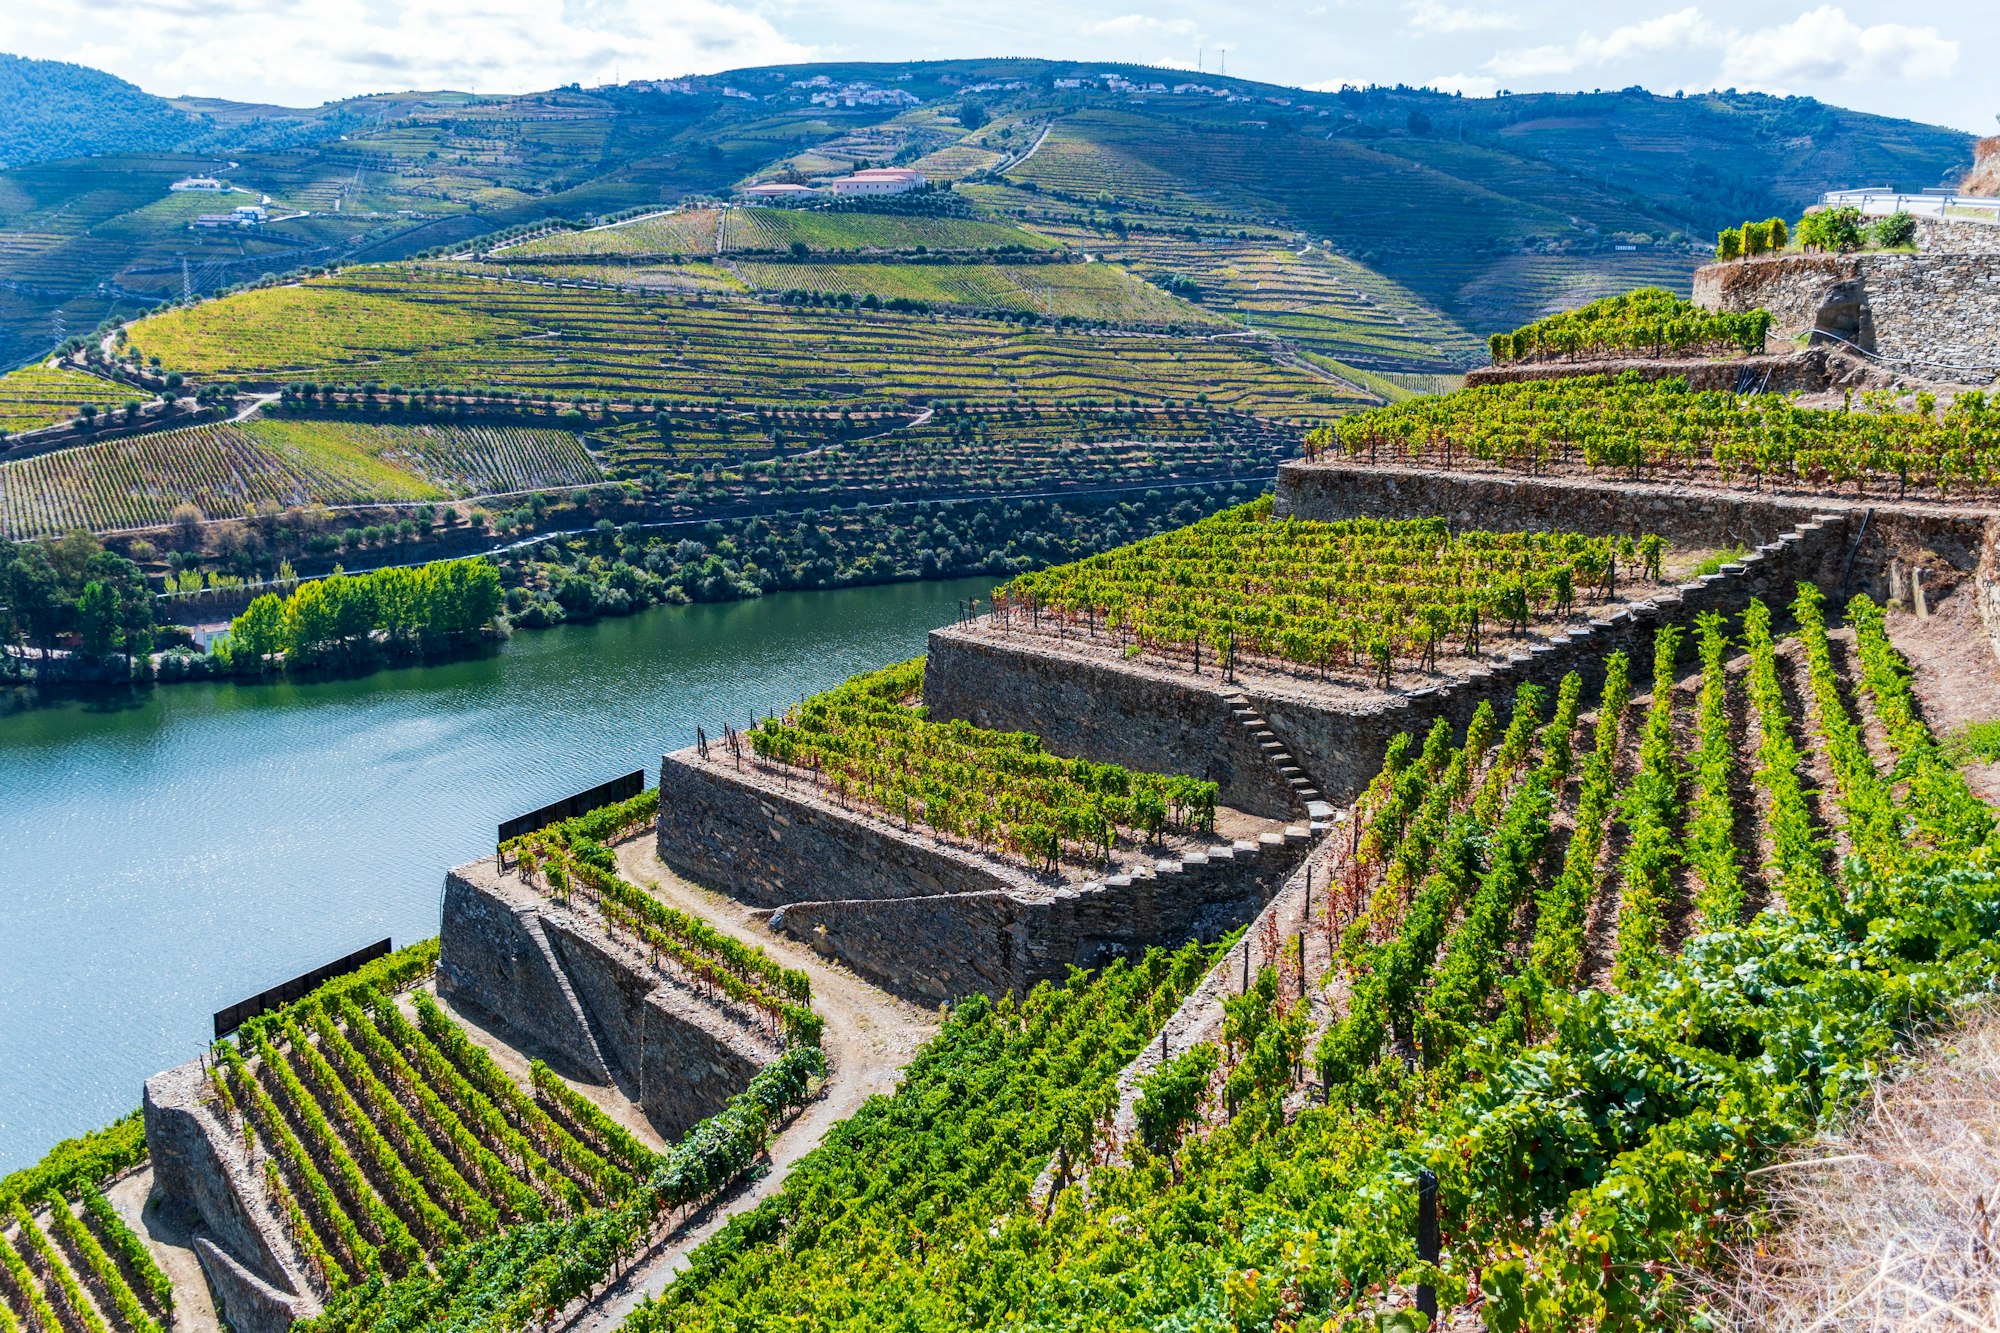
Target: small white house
[208,183]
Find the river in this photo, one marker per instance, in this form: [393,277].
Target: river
[165,857]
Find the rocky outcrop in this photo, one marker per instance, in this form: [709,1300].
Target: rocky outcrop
[1984,178]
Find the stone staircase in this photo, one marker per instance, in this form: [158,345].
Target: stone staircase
[1305,794]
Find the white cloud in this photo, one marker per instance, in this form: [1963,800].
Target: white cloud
[1470,85]
[292,52]
[1819,45]
[1679,30]
[1826,44]
[1141,25]
[1432,17]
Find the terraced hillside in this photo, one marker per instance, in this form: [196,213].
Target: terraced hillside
[1489,188]
[38,396]
[1525,933]
[227,469]
[418,328]
[1313,297]
[1471,257]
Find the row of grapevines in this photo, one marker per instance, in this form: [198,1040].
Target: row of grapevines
[478,1164]
[1467,981]
[605,1180]
[1564,906]
[1939,804]
[131,1252]
[868,742]
[40,1314]
[1652,810]
[1798,849]
[1632,424]
[103,1269]
[1711,831]
[1323,595]
[1865,799]
[1651,321]
[528,1273]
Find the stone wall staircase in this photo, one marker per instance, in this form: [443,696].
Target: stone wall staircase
[1305,793]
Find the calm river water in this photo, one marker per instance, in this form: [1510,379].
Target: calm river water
[163,859]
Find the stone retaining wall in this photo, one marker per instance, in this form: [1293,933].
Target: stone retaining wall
[199,1169]
[1099,711]
[1804,372]
[584,994]
[1932,312]
[929,921]
[1686,514]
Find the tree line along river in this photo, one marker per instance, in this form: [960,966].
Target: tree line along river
[167,855]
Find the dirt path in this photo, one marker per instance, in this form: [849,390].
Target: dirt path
[167,1235]
[870,1035]
[1955,674]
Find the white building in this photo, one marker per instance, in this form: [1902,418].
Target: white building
[775,190]
[209,183]
[879,180]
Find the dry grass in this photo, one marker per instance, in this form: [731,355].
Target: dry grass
[1889,1225]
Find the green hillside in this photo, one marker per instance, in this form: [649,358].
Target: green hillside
[424,328]
[1477,214]
[51,109]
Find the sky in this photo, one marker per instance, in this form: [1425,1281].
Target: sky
[1935,62]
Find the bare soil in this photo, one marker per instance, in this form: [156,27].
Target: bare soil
[1955,673]
[166,1233]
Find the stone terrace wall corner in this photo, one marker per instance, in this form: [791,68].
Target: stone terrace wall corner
[494,956]
[771,850]
[552,973]
[1097,711]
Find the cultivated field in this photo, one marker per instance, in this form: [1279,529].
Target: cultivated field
[432,329]
[226,469]
[1082,291]
[41,396]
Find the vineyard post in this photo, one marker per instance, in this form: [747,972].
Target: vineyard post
[1427,1237]
[701,742]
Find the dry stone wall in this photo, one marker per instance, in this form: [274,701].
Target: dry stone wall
[557,976]
[1935,313]
[929,921]
[200,1170]
[1685,514]
[1805,372]
[1096,710]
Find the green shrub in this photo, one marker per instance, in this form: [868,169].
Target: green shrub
[1834,230]
[1729,244]
[1894,230]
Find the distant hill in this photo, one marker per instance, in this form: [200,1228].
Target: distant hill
[1389,228]
[51,110]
